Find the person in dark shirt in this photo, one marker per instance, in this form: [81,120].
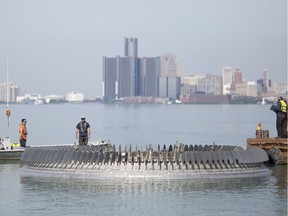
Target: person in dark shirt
[83,131]
[281,121]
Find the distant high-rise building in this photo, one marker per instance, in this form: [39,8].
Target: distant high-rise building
[246,89]
[149,76]
[131,47]
[227,79]
[192,84]
[169,80]
[120,77]
[266,78]
[202,83]
[169,87]
[75,97]
[110,79]
[170,66]
[9,92]
[264,83]
[121,74]
[130,76]
[237,76]
[213,84]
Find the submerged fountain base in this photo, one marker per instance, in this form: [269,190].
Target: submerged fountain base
[183,162]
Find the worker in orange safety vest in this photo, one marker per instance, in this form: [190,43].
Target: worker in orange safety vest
[23,133]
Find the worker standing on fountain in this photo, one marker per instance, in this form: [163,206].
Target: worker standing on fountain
[23,133]
[281,112]
[83,131]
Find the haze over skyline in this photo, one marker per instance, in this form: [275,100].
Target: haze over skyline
[55,47]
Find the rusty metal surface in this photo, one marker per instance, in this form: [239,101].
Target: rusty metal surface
[269,143]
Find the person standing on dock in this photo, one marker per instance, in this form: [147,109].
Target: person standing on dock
[83,131]
[23,133]
[281,121]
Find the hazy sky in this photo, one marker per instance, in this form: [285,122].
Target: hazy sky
[56,46]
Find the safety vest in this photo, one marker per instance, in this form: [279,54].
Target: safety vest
[23,132]
[283,106]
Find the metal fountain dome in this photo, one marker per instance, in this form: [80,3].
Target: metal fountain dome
[105,161]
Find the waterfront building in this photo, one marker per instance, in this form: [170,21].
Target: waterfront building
[238,76]
[190,84]
[130,76]
[280,88]
[121,74]
[131,47]
[264,84]
[170,77]
[201,98]
[9,92]
[248,89]
[29,98]
[213,84]
[75,97]
[204,83]
[227,79]
[54,98]
[266,80]
[149,76]
[169,87]
[170,66]
[110,79]
[120,77]
[201,85]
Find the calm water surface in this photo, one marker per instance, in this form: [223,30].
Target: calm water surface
[140,125]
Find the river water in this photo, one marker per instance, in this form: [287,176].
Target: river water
[139,125]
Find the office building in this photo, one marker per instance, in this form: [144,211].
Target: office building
[227,79]
[9,92]
[131,47]
[130,76]
[238,76]
[120,77]
[149,76]
[213,84]
[169,80]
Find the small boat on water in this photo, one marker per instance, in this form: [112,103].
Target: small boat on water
[263,102]
[9,151]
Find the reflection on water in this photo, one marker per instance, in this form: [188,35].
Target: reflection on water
[169,197]
[140,185]
[59,196]
[280,173]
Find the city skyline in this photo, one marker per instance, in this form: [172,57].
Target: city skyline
[264,79]
[57,47]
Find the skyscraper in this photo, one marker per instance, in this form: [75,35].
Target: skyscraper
[170,80]
[130,76]
[109,77]
[227,79]
[149,76]
[170,66]
[9,92]
[131,47]
[266,78]
[238,76]
[120,77]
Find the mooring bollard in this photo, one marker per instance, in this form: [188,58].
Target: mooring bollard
[259,134]
[265,134]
